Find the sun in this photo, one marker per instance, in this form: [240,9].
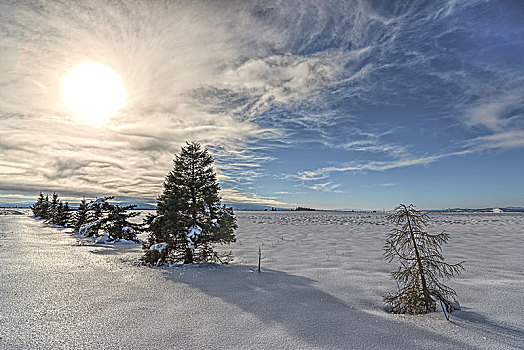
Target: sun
[93,91]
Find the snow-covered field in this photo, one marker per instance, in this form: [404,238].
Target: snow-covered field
[322,285]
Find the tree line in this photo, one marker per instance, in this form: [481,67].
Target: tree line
[189,222]
[54,211]
[91,219]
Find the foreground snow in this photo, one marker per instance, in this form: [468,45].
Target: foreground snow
[321,287]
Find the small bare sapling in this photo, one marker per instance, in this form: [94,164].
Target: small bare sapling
[422,266]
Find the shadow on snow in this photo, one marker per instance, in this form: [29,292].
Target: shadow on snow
[472,321]
[304,311]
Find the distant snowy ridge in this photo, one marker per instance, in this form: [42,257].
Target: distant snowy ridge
[481,210]
[10,212]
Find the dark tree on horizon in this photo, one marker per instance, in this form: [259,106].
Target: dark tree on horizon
[41,207]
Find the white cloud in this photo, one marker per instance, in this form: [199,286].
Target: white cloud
[172,58]
[495,113]
[502,140]
[325,187]
[376,146]
[324,173]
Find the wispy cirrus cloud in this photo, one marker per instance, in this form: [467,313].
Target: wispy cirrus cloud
[325,187]
[500,140]
[324,173]
[383,185]
[497,112]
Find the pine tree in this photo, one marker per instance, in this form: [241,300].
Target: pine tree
[44,208]
[95,214]
[422,264]
[63,213]
[58,213]
[53,209]
[189,218]
[79,218]
[117,223]
[54,212]
[37,207]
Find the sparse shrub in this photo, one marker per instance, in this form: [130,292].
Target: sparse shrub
[189,219]
[422,265]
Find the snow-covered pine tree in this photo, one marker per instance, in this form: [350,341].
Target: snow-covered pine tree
[79,217]
[421,264]
[94,216]
[117,225]
[189,219]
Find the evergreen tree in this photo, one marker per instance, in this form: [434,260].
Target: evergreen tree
[53,209]
[94,216]
[117,224]
[37,207]
[58,213]
[44,209]
[54,212]
[189,218]
[79,218]
[63,213]
[421,264]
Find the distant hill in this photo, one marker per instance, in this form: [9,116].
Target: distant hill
[480,210]
[251,207]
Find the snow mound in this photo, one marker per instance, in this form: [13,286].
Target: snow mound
[106,239]
[159,247]
[129,230]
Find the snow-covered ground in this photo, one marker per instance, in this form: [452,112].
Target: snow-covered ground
[322,285]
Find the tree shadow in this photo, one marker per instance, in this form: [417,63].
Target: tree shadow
[506,334]
[305,312]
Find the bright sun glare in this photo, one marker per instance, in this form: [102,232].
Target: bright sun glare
[93,91]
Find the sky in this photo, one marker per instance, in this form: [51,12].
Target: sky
[322,104]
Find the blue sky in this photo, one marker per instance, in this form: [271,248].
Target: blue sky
[332,104]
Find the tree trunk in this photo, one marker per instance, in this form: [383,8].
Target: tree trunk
[188,257]
[425,290]
[259,258]
[193,192]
